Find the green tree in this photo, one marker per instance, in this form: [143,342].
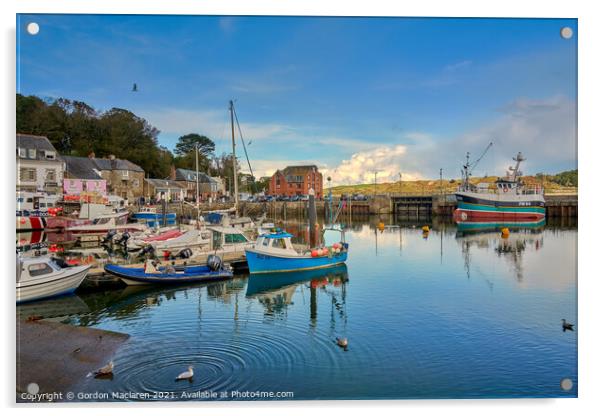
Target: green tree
[189,142]
[76,128]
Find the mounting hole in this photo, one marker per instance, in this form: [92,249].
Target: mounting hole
[566,384]
[33,28]
[566,32]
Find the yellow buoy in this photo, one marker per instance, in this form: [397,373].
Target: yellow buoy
[425,229]
[505,232]
[381,226]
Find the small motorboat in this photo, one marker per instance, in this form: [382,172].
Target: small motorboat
[274,252]
[43,277]
[152,217]
[151,274]
[104,224]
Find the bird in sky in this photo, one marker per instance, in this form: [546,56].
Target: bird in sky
[135,87]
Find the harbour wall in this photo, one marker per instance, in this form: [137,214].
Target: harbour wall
[557,206]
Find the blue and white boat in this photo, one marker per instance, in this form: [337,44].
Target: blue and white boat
[152,218]
[150,274]
[274,252]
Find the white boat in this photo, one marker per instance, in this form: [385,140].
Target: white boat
[41,277]
[228,239]
[190,239]
[103,225]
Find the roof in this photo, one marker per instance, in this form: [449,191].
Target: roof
[164,183]
[30,141]
[225,230]
[190,175]
[81,167]
[116,164]
[299,170]
[280,234]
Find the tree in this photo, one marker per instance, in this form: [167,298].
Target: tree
[189,142]
[77,129]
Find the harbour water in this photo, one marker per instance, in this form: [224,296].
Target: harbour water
[455,313]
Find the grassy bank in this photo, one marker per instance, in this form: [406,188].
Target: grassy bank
[430,187]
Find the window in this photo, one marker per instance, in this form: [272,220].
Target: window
[125,173]
[39,269]
[50,155]
[50,175]
[136,182]
[279,243]
[22,152]
[31,153]
[265,242]
[235,238]
[27,174]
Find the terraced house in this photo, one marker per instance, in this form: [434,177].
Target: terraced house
[39,166]
[123,178]
[296,180]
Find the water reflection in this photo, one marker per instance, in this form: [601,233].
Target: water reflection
[275,290]
[417,327]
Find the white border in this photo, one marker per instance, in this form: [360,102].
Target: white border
[589,32]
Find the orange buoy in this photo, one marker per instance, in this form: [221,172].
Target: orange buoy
[314,253]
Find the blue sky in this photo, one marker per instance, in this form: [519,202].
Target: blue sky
[353,95]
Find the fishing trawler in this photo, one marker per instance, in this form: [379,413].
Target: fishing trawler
[508,200]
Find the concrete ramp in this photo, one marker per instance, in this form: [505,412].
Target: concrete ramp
[58,357]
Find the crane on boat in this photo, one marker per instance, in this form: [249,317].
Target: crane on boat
[469,167]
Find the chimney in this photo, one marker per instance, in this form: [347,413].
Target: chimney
[111,157]
[172,172]
[91,155]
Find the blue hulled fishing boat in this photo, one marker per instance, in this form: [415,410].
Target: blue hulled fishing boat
[151,274]
[274,252]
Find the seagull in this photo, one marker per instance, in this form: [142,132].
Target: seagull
[105,371]
[566,326]
[135,87]
[342,342]
[186,375]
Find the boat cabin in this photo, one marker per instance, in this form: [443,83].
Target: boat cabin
[278,242]
[33,267]
[227,237]
[504,185]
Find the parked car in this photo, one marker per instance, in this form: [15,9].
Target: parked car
[359,197]
[303,197]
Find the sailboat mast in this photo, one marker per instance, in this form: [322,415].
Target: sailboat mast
[234,158]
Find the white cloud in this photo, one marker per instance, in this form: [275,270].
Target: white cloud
[386,161]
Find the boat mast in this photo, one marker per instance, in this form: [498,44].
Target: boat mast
[514,172]
[196,153]
[234,168]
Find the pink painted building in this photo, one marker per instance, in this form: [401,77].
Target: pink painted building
[82,175]
[77,186]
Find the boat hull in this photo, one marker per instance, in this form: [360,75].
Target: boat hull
[495,207]
[27,223]
[61,222]
[260,262]
[47,287]
[194,274]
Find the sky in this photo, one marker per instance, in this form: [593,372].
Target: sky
[354,96]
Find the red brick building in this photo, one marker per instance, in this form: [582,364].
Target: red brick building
[296,180]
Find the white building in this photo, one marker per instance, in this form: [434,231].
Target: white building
[39,166]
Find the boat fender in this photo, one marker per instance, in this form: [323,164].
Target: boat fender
[314,253]
[214,262]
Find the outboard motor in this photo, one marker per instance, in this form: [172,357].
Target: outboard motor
[124,239]
[185,253]
[109,237]
[148,249]
[214,262]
